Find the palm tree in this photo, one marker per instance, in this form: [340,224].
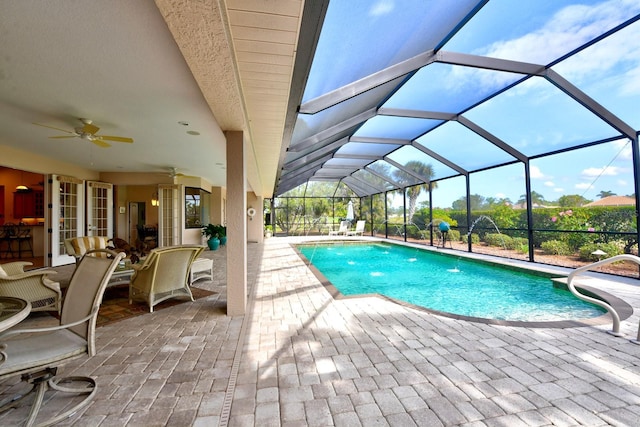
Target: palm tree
[604,194]
[536,198]
[414,192]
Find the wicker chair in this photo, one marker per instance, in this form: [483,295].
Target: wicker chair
[33,286]
[164,274]
[37,353]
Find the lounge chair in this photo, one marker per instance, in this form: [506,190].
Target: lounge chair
[358,230]
[34,286]
[344,227]
[164,274]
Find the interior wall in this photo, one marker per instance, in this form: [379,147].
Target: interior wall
[32,162]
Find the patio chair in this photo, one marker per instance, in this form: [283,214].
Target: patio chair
[358,230]
[344,227]
[164,274]
[37,355]
[78,246]
[34,286]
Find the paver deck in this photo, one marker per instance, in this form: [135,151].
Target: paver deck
[301,358]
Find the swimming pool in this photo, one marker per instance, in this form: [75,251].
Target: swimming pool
[446,284]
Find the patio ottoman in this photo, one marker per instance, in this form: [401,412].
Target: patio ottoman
[202,268]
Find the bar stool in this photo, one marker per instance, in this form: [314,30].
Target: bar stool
[24,237]
[9,235]
[5,246]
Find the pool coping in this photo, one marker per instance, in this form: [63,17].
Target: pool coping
[624,309]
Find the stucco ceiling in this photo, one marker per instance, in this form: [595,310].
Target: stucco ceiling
[142,70]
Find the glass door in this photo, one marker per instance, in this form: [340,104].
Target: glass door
[170,213]
[99,209]
[67,215]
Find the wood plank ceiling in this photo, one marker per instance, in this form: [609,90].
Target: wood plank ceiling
[245,81]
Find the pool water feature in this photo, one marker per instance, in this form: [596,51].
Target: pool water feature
[447,284]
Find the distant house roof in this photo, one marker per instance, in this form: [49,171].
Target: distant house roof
[614,201]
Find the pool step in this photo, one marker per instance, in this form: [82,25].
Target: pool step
[560,283]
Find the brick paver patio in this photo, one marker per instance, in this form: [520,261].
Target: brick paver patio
[301,358]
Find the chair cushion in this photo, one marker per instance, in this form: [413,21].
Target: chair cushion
[36,351]
[2,272]
[83,244]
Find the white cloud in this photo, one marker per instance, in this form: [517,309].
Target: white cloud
[536,173]
[558,190]
[605,171]
[500,196]
[583,186]
[623,146]
[622,183]
[549,184]
[382,7]
[571,26]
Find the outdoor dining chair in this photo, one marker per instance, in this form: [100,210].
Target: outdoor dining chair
[36,353]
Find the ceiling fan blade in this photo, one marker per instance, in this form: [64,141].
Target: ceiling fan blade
[64,136]
[100,143]
[114,138]
[51,127]
[89,128]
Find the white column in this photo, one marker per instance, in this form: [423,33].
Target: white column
[236,225]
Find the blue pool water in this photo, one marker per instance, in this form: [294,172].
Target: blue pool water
[444,283]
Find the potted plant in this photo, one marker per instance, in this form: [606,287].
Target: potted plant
[222,234]
[210,231]
[268,231]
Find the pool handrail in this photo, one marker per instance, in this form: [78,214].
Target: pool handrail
[614,314]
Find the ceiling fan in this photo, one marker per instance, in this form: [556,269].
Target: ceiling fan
[88,132]
[173,173]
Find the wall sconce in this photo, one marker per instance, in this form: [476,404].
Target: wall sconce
[154,200]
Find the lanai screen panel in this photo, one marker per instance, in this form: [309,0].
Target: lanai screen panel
[458,88]
[356,149]
[610,72]
[361,37]
[309,125]
[421,164]
[538,118]
[539,32]
[470,84]
[407,128]
[464,147]
[375,181]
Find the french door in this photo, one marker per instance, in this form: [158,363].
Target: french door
[67,215]
[99,209]
[170,214]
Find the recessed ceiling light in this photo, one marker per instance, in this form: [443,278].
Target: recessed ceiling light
[183,123]
[193,132]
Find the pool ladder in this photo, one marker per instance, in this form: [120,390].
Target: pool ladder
[614,314]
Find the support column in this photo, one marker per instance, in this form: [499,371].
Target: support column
[236,225]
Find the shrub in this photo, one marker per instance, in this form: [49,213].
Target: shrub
[610,248]
[475,239]
[521,244]
[498,239]
[555,247]
[454,235]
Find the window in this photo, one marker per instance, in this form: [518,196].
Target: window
[196,207]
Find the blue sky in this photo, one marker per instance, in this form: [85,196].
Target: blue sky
[535,117]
